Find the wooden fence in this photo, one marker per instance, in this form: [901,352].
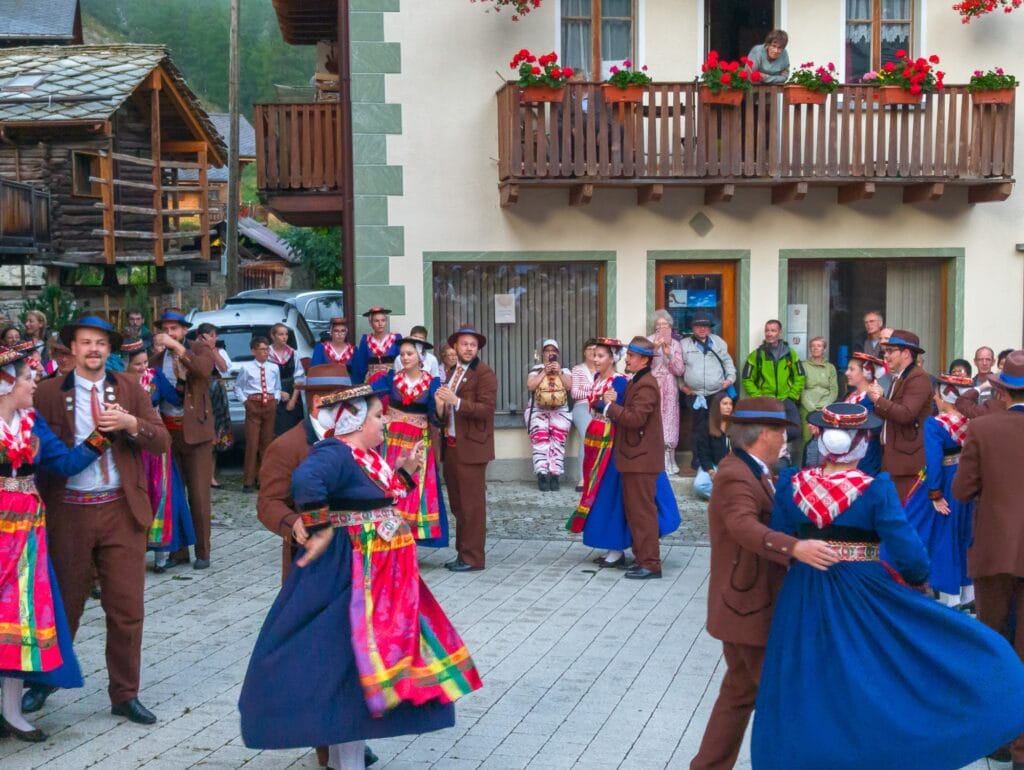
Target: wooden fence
[673,135]
[298,146]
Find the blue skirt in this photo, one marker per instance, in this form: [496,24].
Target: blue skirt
[302,686]
[183,531]
[441,541]
[946,537]
[68,674]
[606,525]
[862,671]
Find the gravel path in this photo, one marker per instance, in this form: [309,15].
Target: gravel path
[515,510]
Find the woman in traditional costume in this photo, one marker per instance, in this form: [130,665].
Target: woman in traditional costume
[601,515]
[942,521]
[289,409]
[376,352]
[861,372]
[172,526]
[354,621]
[411,420]
[862,670]
[36,643]
[336,350]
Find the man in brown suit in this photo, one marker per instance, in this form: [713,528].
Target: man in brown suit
[989,472]
[99,520]
[748,563]
[639,451]
[903,409]
[192,425]
[466,407]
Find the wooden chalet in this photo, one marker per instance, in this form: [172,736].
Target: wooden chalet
[217,176]
[107,131]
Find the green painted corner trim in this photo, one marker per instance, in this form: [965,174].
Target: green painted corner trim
[955,330]
[740,256]
[608,257]
[379,6]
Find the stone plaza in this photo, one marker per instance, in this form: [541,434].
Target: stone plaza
[581,668]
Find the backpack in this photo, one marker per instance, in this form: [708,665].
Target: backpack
[551,393]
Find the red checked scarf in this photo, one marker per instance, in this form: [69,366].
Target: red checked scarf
[283,358]
[955,425]
[18,444]
[146,378]
[412,390]
[380,472]
[823,497]
[855,397]
[339,358]
[380,349]
[600,388]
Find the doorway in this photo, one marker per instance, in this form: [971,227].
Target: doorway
[733,27]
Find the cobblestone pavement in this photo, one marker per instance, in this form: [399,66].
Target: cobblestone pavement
[581,668]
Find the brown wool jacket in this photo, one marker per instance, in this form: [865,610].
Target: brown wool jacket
[990,473]
[904,413]
[474,421]
[748,560]
[639,444]
[55,401]
[197,422]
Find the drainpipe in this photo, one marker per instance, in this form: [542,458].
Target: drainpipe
[348,233]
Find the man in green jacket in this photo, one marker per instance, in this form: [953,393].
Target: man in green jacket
[774,370]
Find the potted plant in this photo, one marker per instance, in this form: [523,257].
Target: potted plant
[992,87]
[905,81]
[725,82]
[519,7]
[626,84]
[811,85]
[968,9]
[540,77]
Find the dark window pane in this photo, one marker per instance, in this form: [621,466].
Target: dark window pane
[858,51]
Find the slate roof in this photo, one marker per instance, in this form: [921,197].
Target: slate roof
[259,233]
[37,19]
[246,146]
[85,83]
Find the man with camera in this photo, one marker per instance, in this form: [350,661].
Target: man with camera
[547,417]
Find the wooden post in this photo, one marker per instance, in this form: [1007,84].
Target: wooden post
[107,196]
[156,152]
[204,204]
[231,215]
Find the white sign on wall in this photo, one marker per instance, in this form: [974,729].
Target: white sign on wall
[796,319]
[504,308]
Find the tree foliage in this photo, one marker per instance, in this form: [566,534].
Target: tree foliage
[59,306]
[196,31]
[319,248]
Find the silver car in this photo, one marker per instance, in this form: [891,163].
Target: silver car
[317,307]
[236,326]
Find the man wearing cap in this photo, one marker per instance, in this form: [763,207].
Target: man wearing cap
[98,521]
[708,370]
[748,564]
[903,408]
[192,425]
[990,474]
[639,451]
[337,349]
[465,405]
[376,351]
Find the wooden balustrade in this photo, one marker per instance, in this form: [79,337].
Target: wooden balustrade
[298,146]
[674,138]
[24,218]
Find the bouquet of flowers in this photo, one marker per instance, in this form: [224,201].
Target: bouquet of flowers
[917,76]
[821,80]
[719,75]
[540,70]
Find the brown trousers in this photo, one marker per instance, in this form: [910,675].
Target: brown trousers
[467,497]
[259,432]
[196,464]
[995,596]
[108,536]
[642,517]
[731,713]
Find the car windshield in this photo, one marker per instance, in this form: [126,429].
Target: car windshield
[236,339]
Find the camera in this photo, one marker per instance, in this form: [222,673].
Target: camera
[552,357]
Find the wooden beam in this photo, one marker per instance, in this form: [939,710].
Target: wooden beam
[509,195]
[580,194]
[719,193]
[146,235]
[989,193]
[786,193]
[155,152]
[649,193]
[183,146]
[119,182]
[859,191]
[919,193]
[107,196]
[189,116]
[204,204]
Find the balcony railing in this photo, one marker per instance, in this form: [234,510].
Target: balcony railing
[298,147]
[24,218]
[851,142]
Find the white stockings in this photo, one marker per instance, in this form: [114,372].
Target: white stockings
[347,756]
[12,688]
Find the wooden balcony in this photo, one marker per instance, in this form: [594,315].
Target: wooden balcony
[298,161]
[850,143]
[24,219]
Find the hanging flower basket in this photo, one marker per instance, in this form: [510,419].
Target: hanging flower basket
[999,96]
[803,95]
[543,94]
[629,94]
[896,95]
[727,98]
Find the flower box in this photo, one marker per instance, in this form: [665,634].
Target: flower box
[631,94]
[999,96]
[727,98]
[803,95]
[542,94]
[896,95]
